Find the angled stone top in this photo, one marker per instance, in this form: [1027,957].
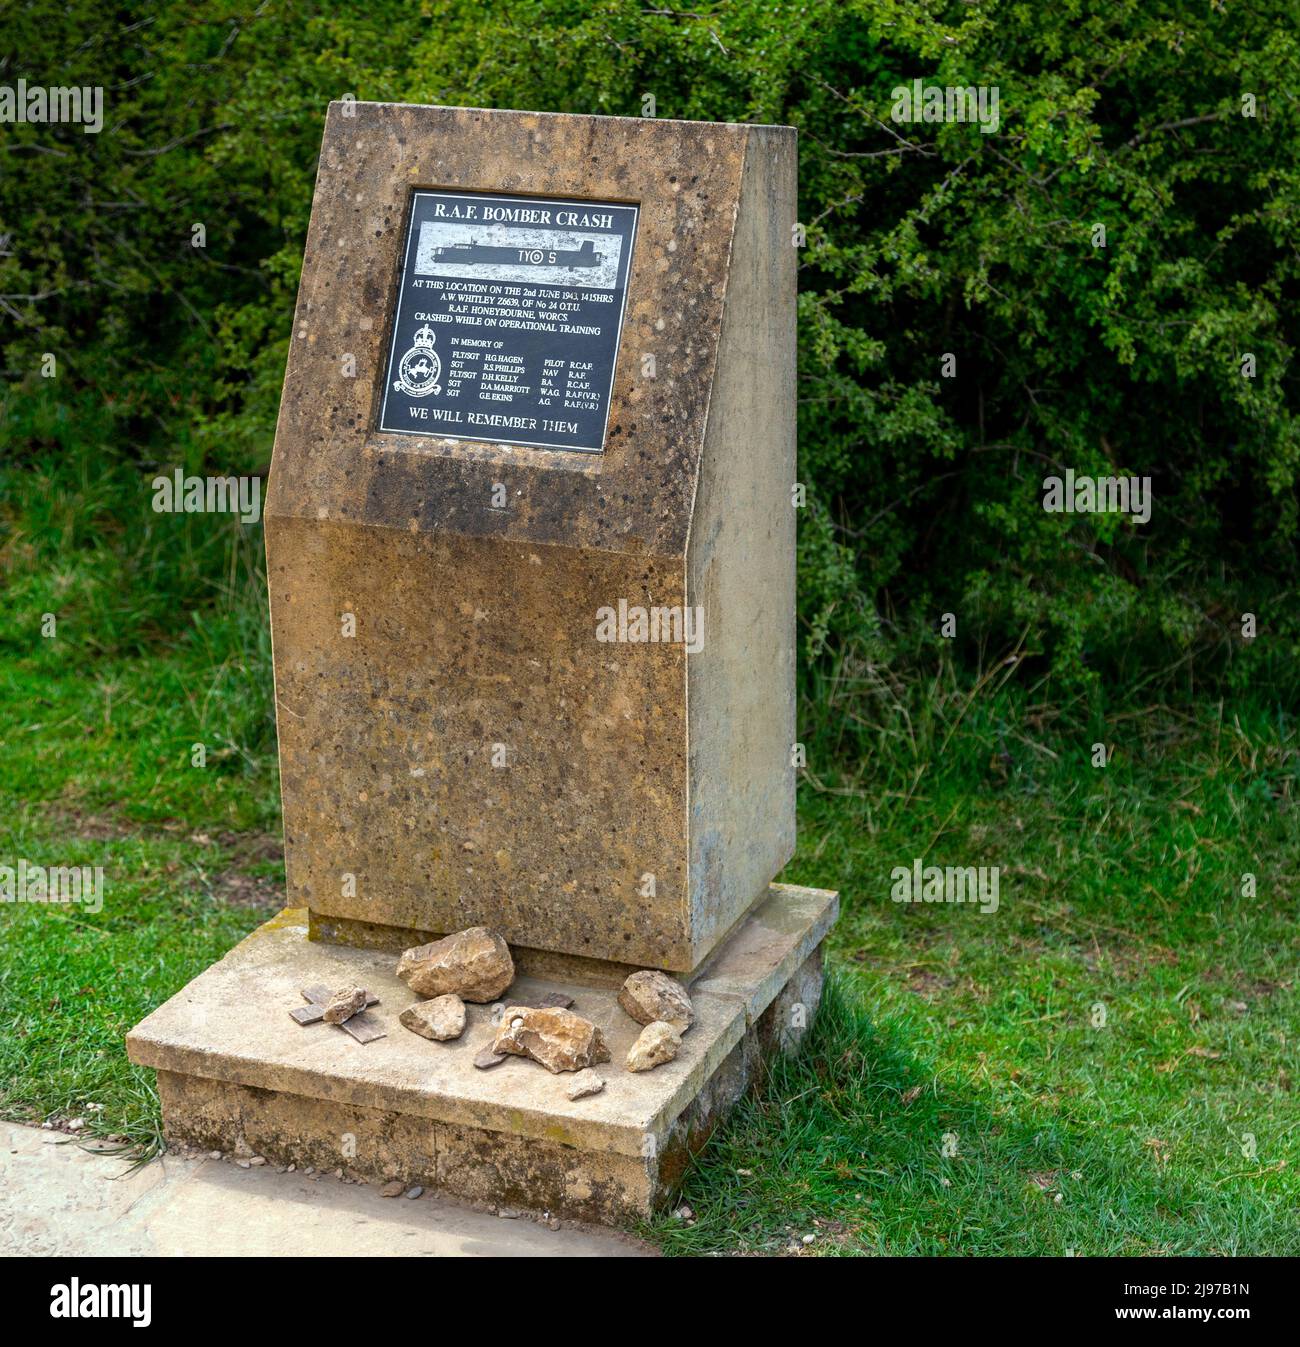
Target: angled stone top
[637,496]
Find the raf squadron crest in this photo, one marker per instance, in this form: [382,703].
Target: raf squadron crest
[419,369]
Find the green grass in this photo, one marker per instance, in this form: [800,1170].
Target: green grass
[97,771]
[1120,887]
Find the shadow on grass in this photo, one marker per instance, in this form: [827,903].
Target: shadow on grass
[857,1143]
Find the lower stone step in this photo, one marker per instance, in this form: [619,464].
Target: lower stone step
[236,1072]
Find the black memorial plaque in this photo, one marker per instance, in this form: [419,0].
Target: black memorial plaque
[509,312]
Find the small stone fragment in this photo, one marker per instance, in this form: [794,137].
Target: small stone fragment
[474,965]
[441,1019]
[507,1213]
[558,1039]
[486,1058]
[585,1083]
[258,1160]
[658,1043]
[414,1192]
[554,1001]
[345,1003]
[394,1189]
[650,995]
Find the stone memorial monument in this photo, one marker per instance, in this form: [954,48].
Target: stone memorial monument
[530,548]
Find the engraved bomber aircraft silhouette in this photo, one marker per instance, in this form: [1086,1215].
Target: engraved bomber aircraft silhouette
[483,253]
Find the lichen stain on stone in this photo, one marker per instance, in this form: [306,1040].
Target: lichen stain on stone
[288,918]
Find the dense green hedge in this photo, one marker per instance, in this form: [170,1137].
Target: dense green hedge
[922,240]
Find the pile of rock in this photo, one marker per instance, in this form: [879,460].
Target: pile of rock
[476,965]
[662,1005]
[473,965]
[559,1039]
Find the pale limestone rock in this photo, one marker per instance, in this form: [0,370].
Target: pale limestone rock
[558,1039]
[658,1043]
[343,1004]
[474,965]
[441,1019]
[650,995]
[583,1084]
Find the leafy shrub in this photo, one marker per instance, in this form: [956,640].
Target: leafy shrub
[922,241]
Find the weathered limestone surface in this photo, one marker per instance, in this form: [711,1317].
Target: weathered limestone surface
[464,765]
[467,1162]
[475,627]
[421,1112]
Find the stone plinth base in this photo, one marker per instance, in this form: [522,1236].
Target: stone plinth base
[236,1073]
